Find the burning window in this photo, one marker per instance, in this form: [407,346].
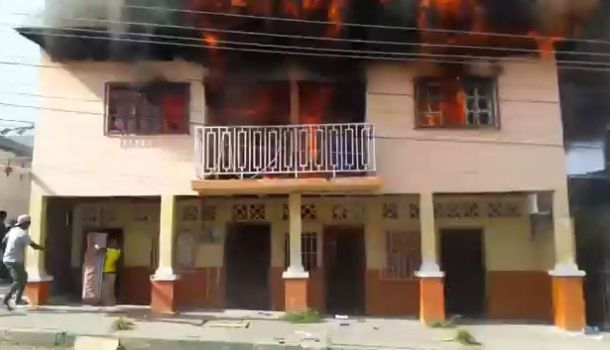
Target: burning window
[234,102]
[156,108]
[309,250]
[456,102]
[331,102]
[403,254]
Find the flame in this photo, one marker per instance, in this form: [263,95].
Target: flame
[210,39]
[546,45]
[334,16]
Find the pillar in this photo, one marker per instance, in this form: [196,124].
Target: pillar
[295,277]
[568,299]
[164,281]
[38,286]
[431,287]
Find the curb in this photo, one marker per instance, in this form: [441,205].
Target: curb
[43,338]
[58,338]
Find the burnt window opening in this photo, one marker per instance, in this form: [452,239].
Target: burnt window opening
[264,103]
[309,250]
[234,102]
[331,102]
[149,109]
[456,103]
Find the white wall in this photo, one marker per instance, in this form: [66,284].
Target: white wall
[14,188]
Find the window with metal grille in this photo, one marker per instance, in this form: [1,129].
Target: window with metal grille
[309,250]
[403,254]
[154,108]
[456,102]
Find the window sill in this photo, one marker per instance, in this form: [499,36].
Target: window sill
[490,127]
[145,136]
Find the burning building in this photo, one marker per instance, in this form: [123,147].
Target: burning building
[379,157]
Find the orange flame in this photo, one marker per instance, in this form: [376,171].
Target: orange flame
[210,39]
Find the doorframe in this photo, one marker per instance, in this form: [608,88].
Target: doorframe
[347,226]
[228,226]
[483,230]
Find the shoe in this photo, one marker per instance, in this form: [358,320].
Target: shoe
[7,305]
[21,302]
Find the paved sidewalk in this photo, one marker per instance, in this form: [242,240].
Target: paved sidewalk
[263,330]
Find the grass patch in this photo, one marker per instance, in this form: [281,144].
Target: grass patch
[441,324]
[123,324]
[307,316]
[464,337]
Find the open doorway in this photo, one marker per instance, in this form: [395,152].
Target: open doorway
[247,261]
[118,235]
[462,262]
[344,264]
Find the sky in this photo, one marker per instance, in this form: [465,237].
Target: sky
[16,82]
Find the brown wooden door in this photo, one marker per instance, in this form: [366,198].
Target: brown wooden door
[462,262]
[344,269]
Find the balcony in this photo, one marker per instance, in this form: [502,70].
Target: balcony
[316,157]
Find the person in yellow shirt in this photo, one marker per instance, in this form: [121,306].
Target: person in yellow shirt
[112,255]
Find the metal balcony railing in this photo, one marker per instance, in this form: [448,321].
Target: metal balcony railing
[252,151]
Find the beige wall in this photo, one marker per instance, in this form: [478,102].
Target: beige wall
[139,235]
[508,242]
[526,153]
[72,146]
[14,188]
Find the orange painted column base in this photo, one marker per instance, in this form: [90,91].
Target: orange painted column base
[163,296]
[431,300]
[568,303]
[295,291]
[38,292]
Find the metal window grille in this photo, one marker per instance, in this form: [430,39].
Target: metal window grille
[466,102]
[403,254]
[309,250]
[158,108]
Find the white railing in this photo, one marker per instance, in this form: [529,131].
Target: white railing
[251,151]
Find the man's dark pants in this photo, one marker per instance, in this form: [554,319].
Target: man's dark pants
[20,278]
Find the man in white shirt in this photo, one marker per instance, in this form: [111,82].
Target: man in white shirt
[16,240]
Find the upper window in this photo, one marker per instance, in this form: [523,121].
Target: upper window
[156,108]
[456,103]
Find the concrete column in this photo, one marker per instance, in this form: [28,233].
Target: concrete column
[164,280]
[568,299]
[37,289]
[432,299]
[295,277]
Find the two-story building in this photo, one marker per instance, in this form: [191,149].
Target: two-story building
[366,187]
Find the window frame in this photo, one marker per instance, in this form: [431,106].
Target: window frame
[418,84]
[414,251]
[304,254]
[108,86]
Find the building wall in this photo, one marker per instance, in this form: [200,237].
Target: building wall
[526,153]
[72,144]
[15,187]
[139,220]
[516,261]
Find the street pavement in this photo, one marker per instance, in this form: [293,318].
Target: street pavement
[256,330]
[235,329]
